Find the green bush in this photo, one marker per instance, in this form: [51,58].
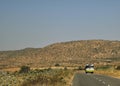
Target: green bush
[57,65]
[80,68]
[118,67]
[24,69]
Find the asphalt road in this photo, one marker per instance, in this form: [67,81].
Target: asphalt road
[82,79]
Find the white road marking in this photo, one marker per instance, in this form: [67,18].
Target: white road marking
[101,81]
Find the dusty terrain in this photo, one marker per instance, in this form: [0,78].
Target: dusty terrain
[73,53]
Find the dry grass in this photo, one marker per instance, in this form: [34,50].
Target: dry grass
[11,69]
[38,77]
[70,53]
[113,73]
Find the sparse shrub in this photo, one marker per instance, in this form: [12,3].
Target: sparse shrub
[24,69]
[80,68]
[57,65]
[118,67]
[47,78]
[49,69]
[65,68]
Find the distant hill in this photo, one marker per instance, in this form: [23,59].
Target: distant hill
[99,52]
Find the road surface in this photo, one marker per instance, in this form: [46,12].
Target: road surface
[82,79]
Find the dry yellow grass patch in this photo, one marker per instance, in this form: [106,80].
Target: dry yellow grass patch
[11,69]
[113,73]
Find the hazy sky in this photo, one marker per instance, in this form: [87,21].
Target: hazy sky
[37,23]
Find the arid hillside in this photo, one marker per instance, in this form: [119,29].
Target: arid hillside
[73,53]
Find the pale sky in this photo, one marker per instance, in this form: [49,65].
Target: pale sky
[38,23]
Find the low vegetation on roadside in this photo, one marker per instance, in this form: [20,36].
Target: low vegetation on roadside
[37,77]
[113,71]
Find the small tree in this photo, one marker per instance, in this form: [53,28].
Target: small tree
[57,65]
[118,67]
[24,69]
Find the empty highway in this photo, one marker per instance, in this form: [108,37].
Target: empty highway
[82,79]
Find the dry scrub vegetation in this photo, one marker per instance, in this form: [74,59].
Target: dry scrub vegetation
[66,54]
[109,70]
[113,73]
[73,53]
[46,77]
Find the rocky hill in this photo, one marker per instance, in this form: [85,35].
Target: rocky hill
[99,52]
